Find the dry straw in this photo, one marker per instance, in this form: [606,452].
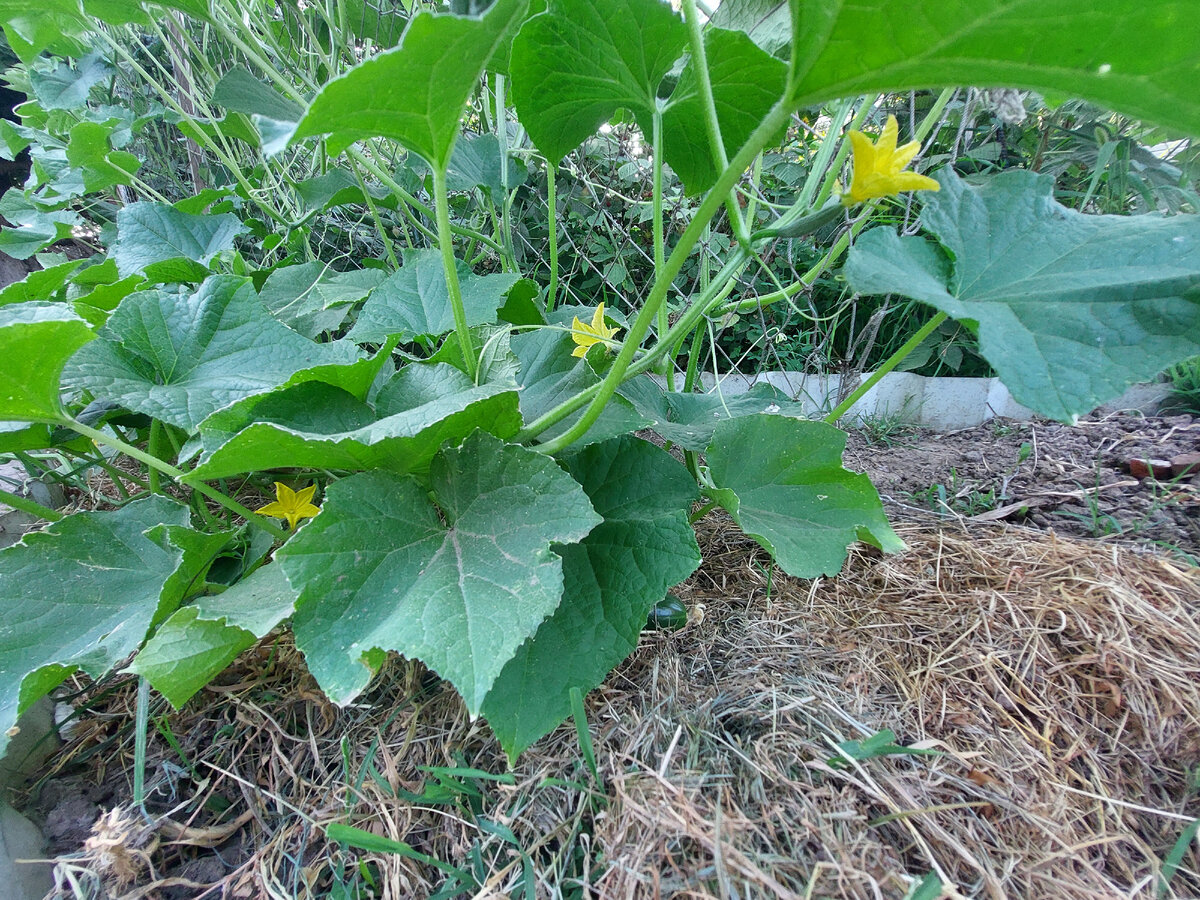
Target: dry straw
[1060,678]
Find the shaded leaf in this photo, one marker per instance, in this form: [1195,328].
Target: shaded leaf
[312,298]
[88,588]
[443,55]
[746,83]
[611,581]
[458,585]
[689,420]
[317,426]
[179,356]
[415,302]
[549,375]
[782,481]
[576,65]
[150,234]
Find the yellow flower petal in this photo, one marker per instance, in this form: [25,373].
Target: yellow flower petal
[586,336]
[878,168]
[291,505]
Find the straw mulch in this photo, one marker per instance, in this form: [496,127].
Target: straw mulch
[1060,680]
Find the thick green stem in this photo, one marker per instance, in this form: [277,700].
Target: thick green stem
[892,361]
[552,226]
[384,236]
[689,320]
[175,474]
[660,255]
[446,243]
[711,122]
[155,448]
[25,505]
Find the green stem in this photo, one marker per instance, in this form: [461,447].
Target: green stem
[660,255]
[711,121]
[689,320]
[892,361]
[25,505]
[387,240]
[396,188]
[155,448]
[552,224]
[173,473]
[446,243]
[703,511]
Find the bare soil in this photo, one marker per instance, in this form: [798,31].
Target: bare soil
[1074,480]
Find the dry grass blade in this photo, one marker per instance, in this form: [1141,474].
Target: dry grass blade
[1059,678]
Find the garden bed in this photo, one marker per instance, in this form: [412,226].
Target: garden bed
[1056,677]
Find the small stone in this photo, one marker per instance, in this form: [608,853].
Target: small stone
[1185,464]
[1147,468]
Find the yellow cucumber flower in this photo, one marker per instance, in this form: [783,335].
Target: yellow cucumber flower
[878,167]
[291,505]
[587,335]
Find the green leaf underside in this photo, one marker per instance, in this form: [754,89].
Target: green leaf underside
[198,641]
[574,66]
[1071,308]
[314,425]
[689,420]
[766,22]
[1138,58]
[459,585]
[179,356]
[746,83]
[549,375]
[239,91]
[151,234]
[611,580]
[87,588]
[311,298]
[415,302]
[36,340]
[782,480]
[414,94]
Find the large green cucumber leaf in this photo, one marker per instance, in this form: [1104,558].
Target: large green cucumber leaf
[198,641]
[746,83]
[1070,308]
[574,66]
[54,25]
[312,298]
[179,356]
[459,585]
[314,425]
[32,228]
[689,420]
[1123,54]
[611,580]
[81,595]
[36,340]
[414,94]
[239,91]
[548,375]
[41,284]
[415,302]
[63,86]
[766,22]
[101,166]
[782,481]
[169,245]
